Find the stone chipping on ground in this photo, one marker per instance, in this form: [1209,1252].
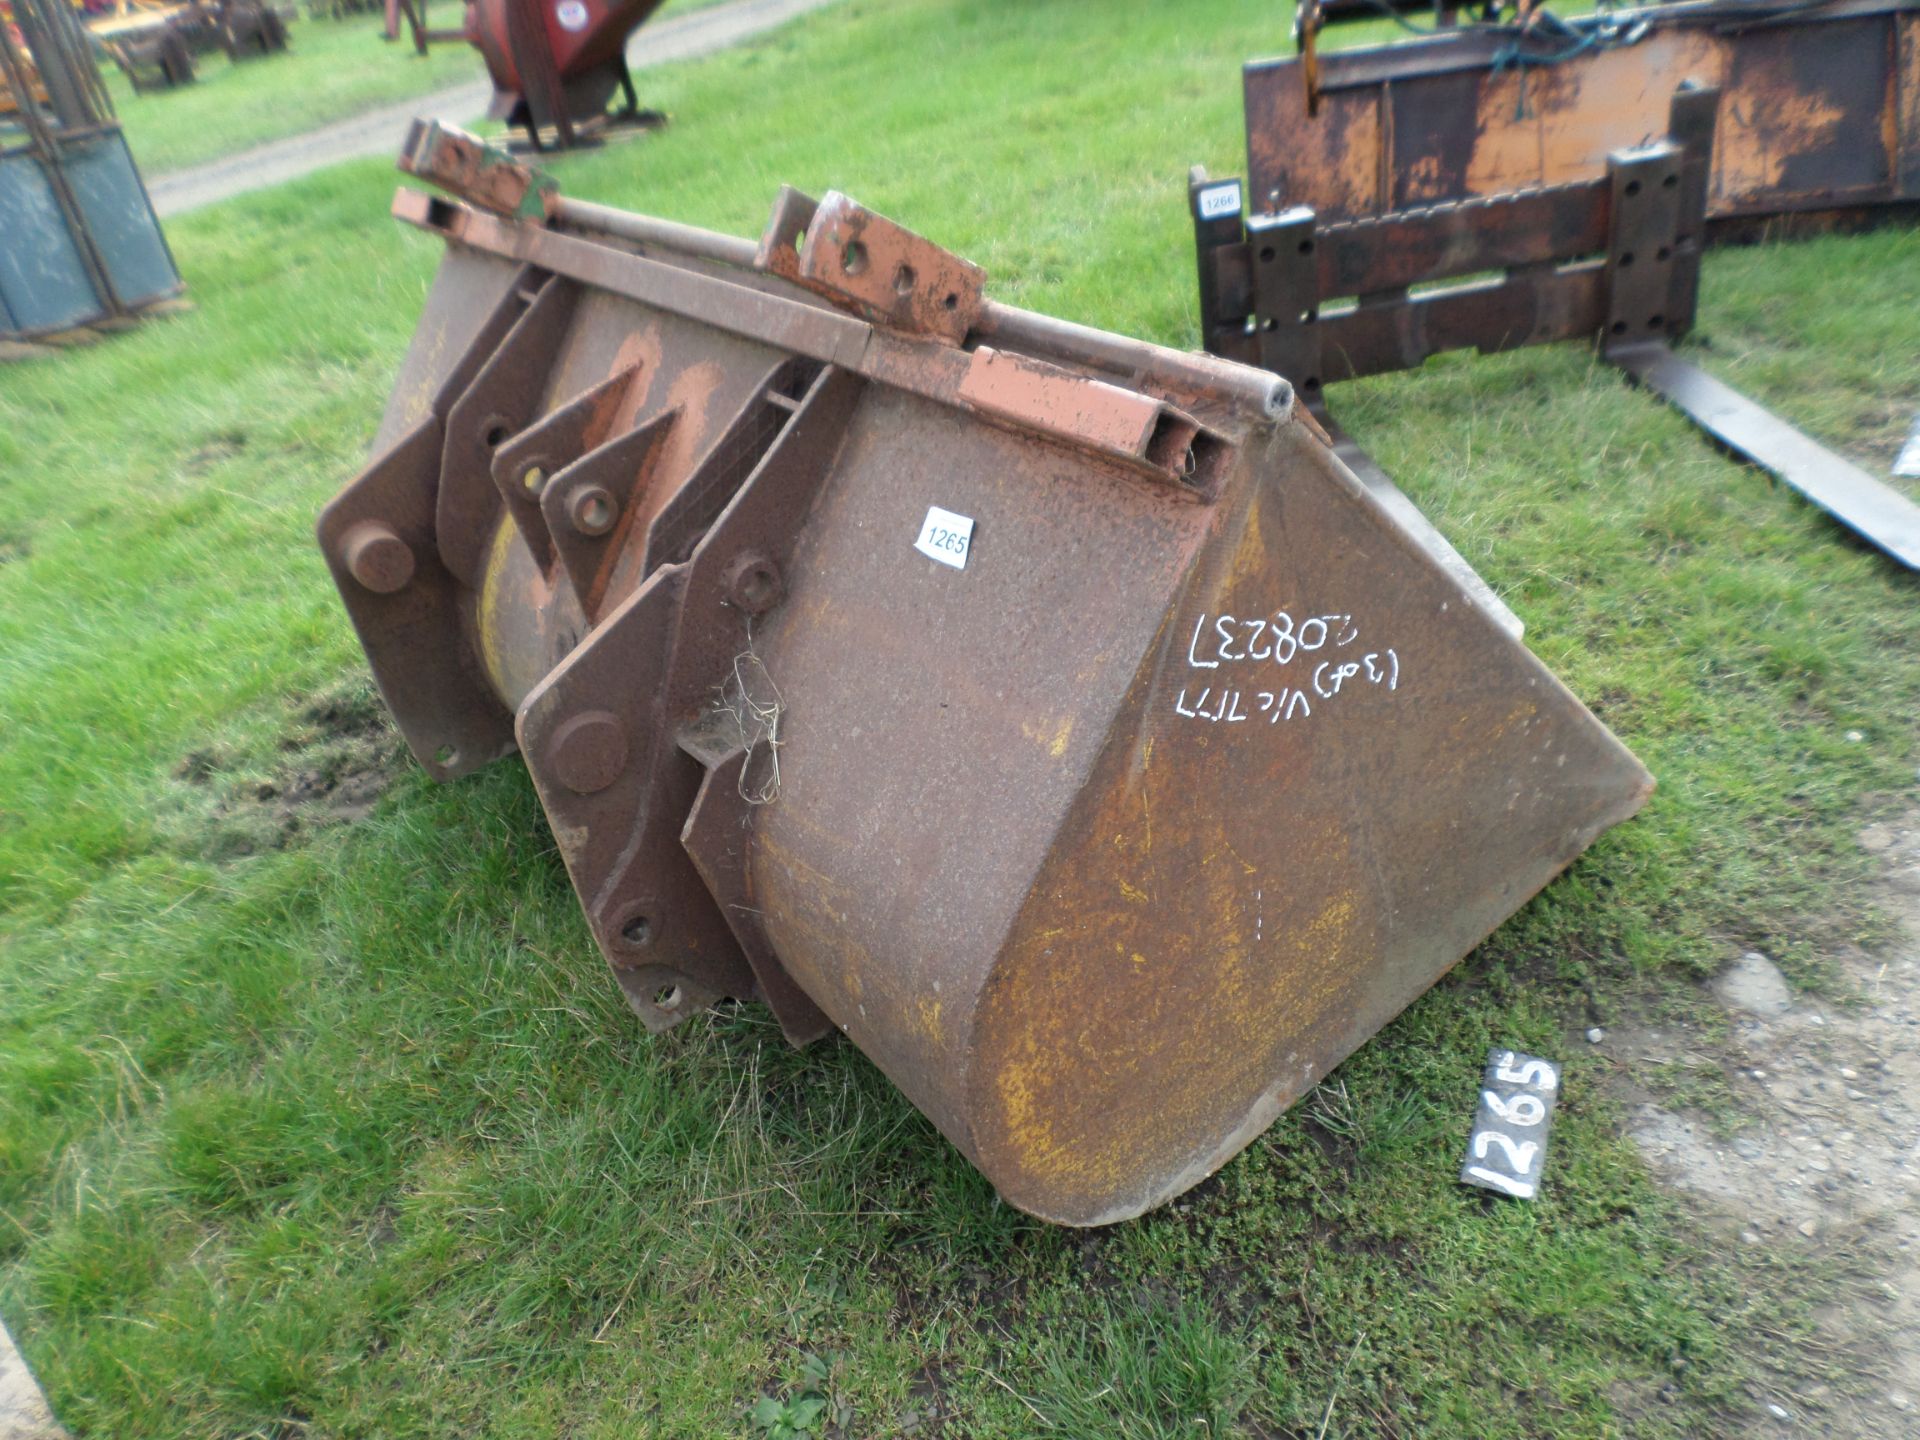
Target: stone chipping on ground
[23,1409]
[1829,1155]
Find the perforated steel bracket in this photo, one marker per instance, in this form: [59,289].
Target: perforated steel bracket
[465,165]
[866,264]
[1642,241]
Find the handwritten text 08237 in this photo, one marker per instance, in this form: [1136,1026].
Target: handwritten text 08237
[1325,645]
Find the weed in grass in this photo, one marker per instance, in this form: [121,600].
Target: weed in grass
[803,1408]
[1378,1131]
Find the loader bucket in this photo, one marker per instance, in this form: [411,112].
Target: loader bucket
[1050,713]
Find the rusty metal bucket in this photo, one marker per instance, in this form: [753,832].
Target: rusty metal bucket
[1051,713]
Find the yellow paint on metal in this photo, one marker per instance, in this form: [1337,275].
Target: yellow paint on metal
[1028,1133]
[1053,739]
[930,1020]
[493,649]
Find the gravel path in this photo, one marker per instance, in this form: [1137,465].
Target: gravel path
[23,1412]
[378,132]
[1826,1155]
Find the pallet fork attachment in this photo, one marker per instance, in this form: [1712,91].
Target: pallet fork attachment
[1614,258]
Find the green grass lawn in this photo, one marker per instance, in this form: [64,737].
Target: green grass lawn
[333,69]
[343,1130]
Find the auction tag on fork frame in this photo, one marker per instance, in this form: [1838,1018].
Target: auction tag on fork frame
[946,537]
[1508,1148]
[1217,201]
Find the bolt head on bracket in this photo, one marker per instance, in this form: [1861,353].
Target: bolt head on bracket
[377,558]
[754,583]
[589,751]
[592,510]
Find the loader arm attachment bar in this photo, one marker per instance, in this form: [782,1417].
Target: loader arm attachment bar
[1050,713]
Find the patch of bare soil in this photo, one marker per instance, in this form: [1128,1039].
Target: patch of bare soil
[332,768]
[342,764]
[223,446]
[1829,1156]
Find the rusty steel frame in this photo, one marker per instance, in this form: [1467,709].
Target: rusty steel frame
[157,59]
[61,108]
[1614,258]
[415,14]
[1820,122]
[250,29]
[1103,877]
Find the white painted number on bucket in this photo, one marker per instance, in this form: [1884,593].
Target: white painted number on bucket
[572,14]
[946,537]
[1268,644]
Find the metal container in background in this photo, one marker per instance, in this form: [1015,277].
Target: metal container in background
[555,65]
[79,242]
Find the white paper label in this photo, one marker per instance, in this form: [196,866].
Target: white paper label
[572,15]
[1907,465]
[1219,200]
[945,537]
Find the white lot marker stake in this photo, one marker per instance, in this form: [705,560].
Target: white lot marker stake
[1508,1147]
